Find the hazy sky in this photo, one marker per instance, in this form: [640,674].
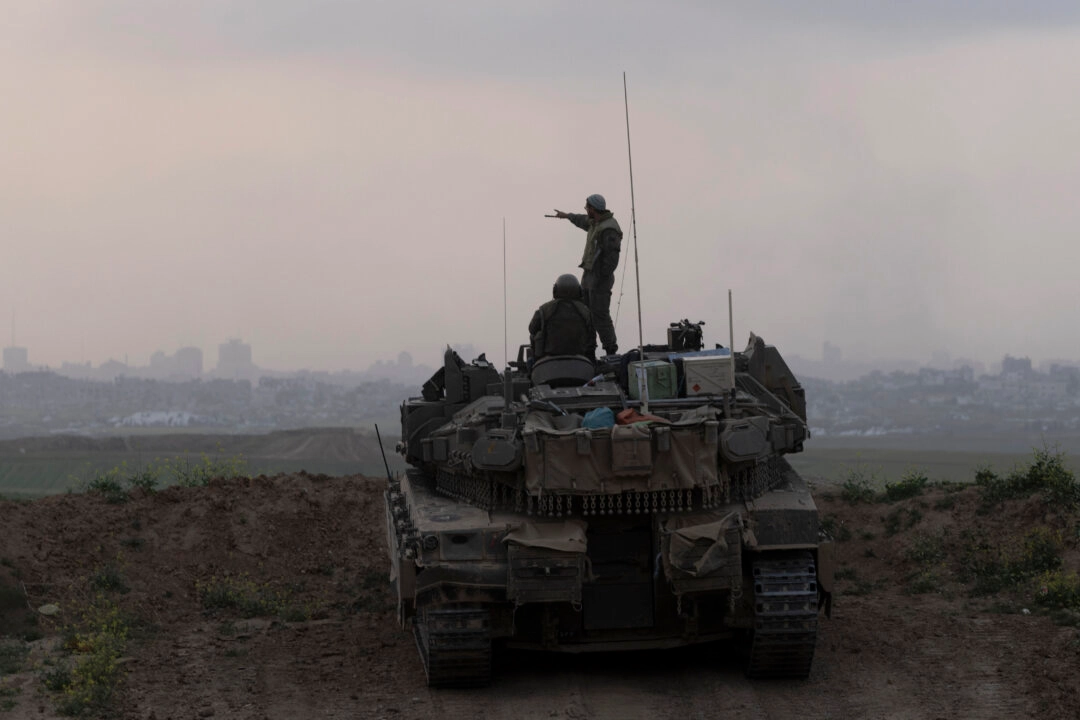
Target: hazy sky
[328,180]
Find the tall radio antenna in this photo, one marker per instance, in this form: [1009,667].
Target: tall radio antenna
[506,325]
[633,220]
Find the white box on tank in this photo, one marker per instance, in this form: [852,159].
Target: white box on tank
[708,375]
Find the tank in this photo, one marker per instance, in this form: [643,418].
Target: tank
[643,501]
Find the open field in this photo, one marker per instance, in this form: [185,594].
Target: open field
[33,467]
[882,465]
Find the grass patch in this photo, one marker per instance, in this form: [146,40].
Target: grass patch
[993,566]
[864,587]
[926,550]
[846,573]
[912,484]
[248,598]
[835,528]
[107,485]
[901,519]
[1059,590]
[1047,474]
[7,698]
[85,683]
[927,580]
[857,488]
[108,578]
[11,657]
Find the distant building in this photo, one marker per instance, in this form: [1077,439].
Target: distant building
[831,354]
[16,360]
[189,362]
[1016,365]
[234,360]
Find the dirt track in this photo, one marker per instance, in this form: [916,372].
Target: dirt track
[317,544]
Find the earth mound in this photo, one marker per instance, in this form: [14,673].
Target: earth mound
[268,598]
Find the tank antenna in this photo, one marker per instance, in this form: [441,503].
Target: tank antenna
[633,218]
[389,476]
[731,339]
[506,356]
[507,381]
[642,382]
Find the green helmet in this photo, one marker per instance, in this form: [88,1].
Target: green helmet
[566,287]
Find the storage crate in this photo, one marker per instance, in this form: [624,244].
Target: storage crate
[708,375]
[661,377]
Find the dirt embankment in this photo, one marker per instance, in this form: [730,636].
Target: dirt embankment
[266,598]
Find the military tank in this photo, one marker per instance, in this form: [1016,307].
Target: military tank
[643,501]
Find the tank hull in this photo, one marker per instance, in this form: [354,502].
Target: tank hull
[525,523]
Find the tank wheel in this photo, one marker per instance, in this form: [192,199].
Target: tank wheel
[455,646]
[785,616]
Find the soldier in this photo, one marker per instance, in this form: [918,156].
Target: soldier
[563,326]
[601,257]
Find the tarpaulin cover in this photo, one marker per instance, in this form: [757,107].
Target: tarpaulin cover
[565,536]
[580,460]
[702,547]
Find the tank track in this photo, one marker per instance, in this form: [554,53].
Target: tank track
[785,617]
[455,646]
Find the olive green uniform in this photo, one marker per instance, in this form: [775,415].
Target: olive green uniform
[603,242]
[562,327]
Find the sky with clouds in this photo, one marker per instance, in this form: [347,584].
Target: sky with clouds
[328,180]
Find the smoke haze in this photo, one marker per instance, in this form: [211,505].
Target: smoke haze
[328,180]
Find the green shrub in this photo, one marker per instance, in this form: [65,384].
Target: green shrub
[926,580]
[1059,590]
[86,685]
[107,484]
[240,593]
[145,479]
[108,578]
[902,519]
[926,549]
[189,473]
[11,657]
[995,566]
[856,488]
[1047,474]
[912,483]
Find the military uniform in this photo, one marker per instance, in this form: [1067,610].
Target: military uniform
[562,327]
[602,245]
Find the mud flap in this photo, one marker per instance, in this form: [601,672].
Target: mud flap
[826,570]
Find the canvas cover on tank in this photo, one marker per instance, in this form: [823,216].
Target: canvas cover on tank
[681,455]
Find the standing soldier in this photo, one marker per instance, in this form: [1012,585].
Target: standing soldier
[602,244]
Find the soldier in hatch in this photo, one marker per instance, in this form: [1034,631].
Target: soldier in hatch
[563,326]
[601,257]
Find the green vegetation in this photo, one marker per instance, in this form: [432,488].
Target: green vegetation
[84,682]
[913,483]
[34,467]
[11,657]
[1047,474]
[856,488]
[108,579]
[992,565]
[835,528]
[248,598]
[1059,590]
[902,519]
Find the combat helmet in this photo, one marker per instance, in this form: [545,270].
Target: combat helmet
[566,287]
